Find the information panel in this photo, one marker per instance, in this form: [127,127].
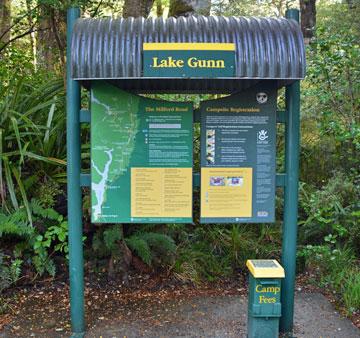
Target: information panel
[238,142]
[141,158]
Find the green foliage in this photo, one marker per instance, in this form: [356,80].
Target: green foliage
[48,192]
[43,243]
[141,248]
[36,244]
[15,58]
[105,241]
[32,151]
[332,210]
[330,190]
[335,269]
[351,290]
[9,271]
[216,251]
[331,95]
[196,263]
[15,224]
[251,8]
[111,236]
[151,247]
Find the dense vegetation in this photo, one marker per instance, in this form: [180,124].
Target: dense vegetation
[33,218]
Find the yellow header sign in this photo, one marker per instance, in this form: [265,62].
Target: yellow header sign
[188,46]
[188,59]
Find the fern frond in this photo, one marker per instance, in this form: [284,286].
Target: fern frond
[140,247]
[112,235]
[38,210]
[159,242]
[15,224]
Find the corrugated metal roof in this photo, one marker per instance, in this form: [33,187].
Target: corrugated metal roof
[266,48]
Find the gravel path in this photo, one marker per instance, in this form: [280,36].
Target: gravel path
[218,317]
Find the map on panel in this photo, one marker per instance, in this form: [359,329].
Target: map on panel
[141,158]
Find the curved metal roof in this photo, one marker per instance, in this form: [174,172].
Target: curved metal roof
[265,48]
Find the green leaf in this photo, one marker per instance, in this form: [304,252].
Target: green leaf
[50,160]
[2,188]
[10,184]
[140,247]
[18,139]
[23,193]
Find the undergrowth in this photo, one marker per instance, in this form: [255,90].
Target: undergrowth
[210,252]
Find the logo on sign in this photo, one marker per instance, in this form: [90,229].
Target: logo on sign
[261,97]
[262,135]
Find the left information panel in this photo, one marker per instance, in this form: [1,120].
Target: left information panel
[141,158]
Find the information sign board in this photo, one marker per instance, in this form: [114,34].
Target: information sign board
[238,141]
[141,158]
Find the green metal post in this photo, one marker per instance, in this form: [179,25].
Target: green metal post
[76,261]
[292,142]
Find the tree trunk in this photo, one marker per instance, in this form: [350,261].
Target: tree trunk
[308,19]
[5,20]
[45,42]
[136,8]
[189,7]
[32,35]
[50,42]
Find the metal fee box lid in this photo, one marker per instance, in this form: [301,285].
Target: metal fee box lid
[265,268]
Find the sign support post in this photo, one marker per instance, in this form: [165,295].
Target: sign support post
[292,142]
[76,262]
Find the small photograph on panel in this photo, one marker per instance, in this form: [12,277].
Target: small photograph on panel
[217,181]
[210,146]
[210,149]
[234,181]
[210,142]
[210,133]
[210,158]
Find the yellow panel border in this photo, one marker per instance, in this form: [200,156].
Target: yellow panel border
[277,272]
[188,46]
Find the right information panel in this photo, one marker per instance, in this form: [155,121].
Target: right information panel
[238,147]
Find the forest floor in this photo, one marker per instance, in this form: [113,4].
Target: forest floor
[158,306]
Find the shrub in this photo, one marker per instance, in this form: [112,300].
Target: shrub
[153,248]
[331,210]
[35,243]
[335,269]
[32,147]
[10,271]
[351,291]
[214,251]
